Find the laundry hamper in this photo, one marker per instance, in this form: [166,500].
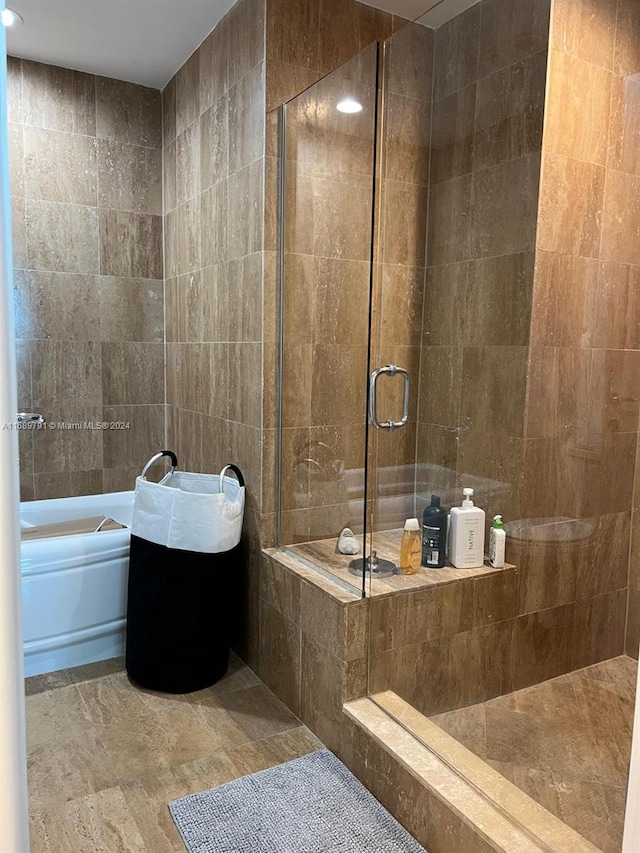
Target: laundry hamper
[185,537]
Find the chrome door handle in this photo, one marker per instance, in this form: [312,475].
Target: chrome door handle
[389,370]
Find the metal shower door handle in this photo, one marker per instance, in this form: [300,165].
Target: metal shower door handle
[389,370]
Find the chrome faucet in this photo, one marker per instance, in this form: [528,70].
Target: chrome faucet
[31,418]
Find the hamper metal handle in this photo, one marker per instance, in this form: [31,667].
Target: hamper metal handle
[235,470]
[156,457]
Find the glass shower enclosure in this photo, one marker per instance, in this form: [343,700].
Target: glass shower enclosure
[355,191]
[459,267]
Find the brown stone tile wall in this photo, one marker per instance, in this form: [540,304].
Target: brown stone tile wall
[328,245]
[489,93]
[404,142]
[86,191]
[213,138]
[220,226]
[329,179]
[529,372]
[584,365]
[313,648]
[313,656]
[466,642]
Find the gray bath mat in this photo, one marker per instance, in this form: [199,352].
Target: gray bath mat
[310,805]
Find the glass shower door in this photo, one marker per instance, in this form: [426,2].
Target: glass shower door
[327,174]
[398,290]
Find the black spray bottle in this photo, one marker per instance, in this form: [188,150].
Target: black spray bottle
[434,535]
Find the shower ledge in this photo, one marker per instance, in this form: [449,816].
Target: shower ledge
[320,558]
[495,809]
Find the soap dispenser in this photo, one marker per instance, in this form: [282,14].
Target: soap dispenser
[497,537]
[467,534]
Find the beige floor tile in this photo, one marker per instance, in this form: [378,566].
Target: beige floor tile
[238,677]
[99,823]
[246,715]
[149,796]
[146,732]
[106,758]
[254,757]
[64,770]
[55,715]
[64,757]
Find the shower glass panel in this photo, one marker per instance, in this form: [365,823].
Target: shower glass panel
[327,175]
[402,195]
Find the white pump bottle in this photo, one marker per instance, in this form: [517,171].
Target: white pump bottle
[467,534]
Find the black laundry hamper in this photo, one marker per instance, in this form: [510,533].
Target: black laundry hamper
[185,537]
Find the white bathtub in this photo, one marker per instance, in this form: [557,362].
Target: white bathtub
[74,587]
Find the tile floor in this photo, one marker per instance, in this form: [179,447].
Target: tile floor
[105,758]
[566,742]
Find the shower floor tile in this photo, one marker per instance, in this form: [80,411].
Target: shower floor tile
[105,758]
[565,742]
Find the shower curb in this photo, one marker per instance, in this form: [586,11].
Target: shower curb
[506,818]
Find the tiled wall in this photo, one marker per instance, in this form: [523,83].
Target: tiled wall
[619,305]
[399,271]
[529,374]
[85,163]
[538,346]
[584,373]
[314,640]
[489,90]
[465,642]
[327,262]
[213,138]
[220,241]
[329,181]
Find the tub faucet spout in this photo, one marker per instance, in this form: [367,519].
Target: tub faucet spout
[33,418]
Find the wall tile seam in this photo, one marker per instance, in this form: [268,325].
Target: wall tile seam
[274,606]
[305,636]
[508,624]
[61,203]
[24,125]
[596,166]
[484,258]
[199,413]
[471,173]
[394,182]
[536,153]
[91,137]
[137,279]
[581,602]
[224,94]
[574,57]
[502,622]
[127,278]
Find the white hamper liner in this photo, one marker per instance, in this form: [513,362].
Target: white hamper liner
[184,559]
[193,512]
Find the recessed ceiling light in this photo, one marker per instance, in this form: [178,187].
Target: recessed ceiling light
[10,18]
[349,105]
